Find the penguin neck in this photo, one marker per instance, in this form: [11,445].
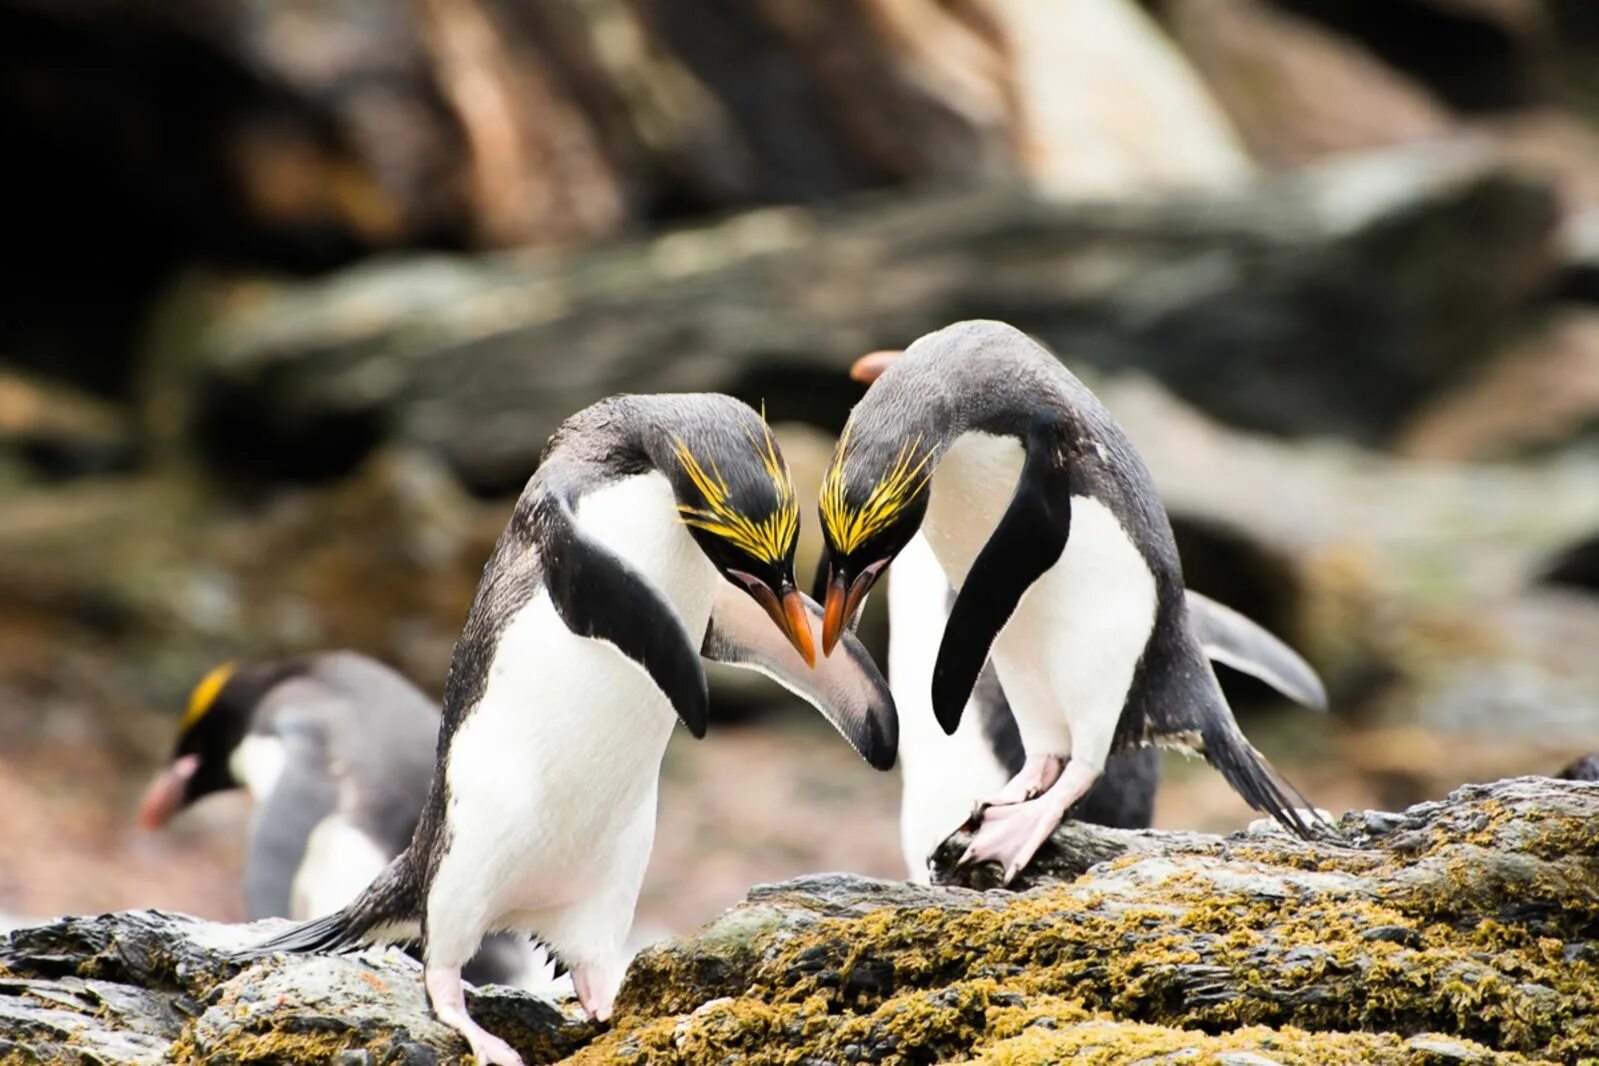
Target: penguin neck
[636,517]
[257,763]
[970,490]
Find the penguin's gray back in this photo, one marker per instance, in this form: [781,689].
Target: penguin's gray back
[338,757]
[1001,414]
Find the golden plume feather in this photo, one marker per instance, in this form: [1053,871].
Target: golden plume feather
[851,526]
[768,539]
[205,695]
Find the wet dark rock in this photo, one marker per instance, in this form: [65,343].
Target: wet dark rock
[1576,566]
[1583,769]
[1332,301]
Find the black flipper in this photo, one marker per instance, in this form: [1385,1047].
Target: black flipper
[1234,640]
[847,688]
[281,826]
[1026,543]
[598,595]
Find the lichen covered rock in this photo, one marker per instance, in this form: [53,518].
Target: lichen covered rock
[1473,919]
[1461,931]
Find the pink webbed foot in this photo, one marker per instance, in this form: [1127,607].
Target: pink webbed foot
[1011,835]
[597,986]
[449,1003]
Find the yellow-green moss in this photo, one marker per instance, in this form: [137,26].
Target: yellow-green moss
[943,979]
[1113,1043]
[277,1046]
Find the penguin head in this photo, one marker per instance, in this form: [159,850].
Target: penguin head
[735,496]
[874,497]
[219,716]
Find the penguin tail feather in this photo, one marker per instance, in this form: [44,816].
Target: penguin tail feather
[387,911]
[1253,778]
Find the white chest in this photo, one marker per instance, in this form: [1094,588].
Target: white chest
[970,490]
[257,763]
[941,776]
[1069,653]
[562,752]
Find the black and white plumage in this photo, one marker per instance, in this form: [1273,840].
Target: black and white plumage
[335,750]
[1044,518]
[944,777]
[657,529]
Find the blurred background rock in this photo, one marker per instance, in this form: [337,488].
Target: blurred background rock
[294,291]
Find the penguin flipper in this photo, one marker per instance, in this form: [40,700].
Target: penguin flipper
[847,688]
[598,595]
[1027,541]
[1235,640]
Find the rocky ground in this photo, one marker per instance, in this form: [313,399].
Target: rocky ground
[1460,931]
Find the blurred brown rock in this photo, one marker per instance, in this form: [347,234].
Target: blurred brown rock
[57,431]
[1540,393]
[1297,90]
[1332,301]
[307,129]
[1109,107]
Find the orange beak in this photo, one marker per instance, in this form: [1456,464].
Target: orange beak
[164,796]
[798,626]
[870,366]
[839,608]
[791,617]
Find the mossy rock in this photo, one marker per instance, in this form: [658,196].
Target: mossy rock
[1462,931]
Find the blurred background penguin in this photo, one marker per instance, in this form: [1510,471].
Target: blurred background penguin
[335,751]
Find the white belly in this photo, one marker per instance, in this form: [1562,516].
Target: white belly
[1068,654]
[552,776]
[941,777]
[339,861]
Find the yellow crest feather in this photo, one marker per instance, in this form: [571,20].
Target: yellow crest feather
[768,539]
[205,695]
[849,526]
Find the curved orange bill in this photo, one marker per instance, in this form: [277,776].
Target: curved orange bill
[798,626]
[163,797]
[791,617]
[841,609]
[833,615]
[870,366]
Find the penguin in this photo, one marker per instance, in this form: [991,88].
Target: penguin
[657,530]
[942,778]
[335,750]
[1046,523]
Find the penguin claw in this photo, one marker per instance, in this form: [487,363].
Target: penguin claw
[1010,835]
[490,1049]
